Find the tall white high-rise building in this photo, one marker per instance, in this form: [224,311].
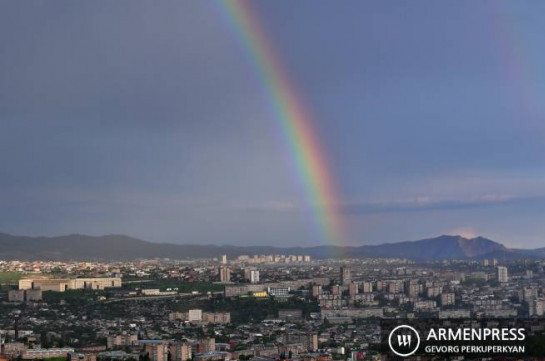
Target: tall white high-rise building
[254,276]
[251,275]
[225,274]
[346,275]
[501,273]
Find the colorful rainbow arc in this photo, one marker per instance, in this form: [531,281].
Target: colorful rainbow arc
[294,120]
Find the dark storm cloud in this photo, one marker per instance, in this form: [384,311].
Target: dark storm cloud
[147,119]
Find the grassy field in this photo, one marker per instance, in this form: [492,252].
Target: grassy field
[10,276]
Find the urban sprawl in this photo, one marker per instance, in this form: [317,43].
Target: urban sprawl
[260,308]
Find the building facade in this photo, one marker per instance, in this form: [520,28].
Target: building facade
[62,284]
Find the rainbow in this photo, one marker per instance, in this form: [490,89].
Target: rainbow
[295,122]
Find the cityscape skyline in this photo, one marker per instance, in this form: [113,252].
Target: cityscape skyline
[263,308]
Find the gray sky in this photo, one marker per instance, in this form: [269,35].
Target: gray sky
[145,118]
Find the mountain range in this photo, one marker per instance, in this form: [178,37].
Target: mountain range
[78,247]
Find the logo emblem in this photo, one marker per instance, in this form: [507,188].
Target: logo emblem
[404,340]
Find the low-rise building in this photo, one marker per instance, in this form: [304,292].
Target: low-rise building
[44,353]
[63,284]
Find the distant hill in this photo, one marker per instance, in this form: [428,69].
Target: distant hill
[119,247]
[439,248]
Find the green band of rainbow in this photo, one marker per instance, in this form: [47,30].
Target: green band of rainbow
[293,119]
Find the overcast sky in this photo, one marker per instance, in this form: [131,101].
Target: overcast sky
[146,118]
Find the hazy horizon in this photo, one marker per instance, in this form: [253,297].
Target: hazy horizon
[466,236]
[147,119]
